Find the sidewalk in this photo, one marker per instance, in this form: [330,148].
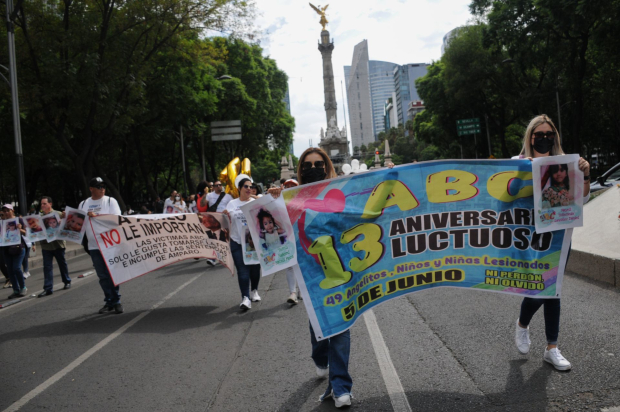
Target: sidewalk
[73,249]
[596,251]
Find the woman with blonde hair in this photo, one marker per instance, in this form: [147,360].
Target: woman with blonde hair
[542,139]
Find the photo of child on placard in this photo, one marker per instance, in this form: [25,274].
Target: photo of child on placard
[250,257]
[558,198]
[557,190]
[271,231]
[51,222]
[35,228]
[72,227]
[12,235]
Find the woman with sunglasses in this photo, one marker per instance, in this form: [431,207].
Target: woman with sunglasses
[542,139]
[248,275]
[330,356]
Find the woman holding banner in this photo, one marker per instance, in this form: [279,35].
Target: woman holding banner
[248,275]
[331,356]
[542,139]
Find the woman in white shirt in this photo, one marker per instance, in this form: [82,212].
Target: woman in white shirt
[179,205]
[248,275]
[541,140]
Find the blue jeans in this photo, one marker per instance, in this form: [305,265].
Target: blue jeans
[247,274]
[112,297]
[334,352]
[14,266]
[48,267]
[529,306]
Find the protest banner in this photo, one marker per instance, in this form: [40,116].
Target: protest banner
[558,192]
[51,221]
[217,228]
[12,235]
[135,245]
[272,233]
[72,227]
[35,228]
[250,256]
[364,239]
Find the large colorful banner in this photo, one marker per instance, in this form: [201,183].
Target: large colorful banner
[135,245]
[367,238]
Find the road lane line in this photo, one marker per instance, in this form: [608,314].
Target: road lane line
[52,380]
[390,377]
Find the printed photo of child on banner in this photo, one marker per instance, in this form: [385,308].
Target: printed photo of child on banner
[248,247]
[558,192]
[51,222]
[72,227]
[272,233]
[35,228]
[12,236]
[218,237]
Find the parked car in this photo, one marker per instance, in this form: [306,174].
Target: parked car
[607,179]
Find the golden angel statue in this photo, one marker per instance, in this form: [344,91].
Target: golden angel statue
[321,12]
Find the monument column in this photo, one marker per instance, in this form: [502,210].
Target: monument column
[326,47]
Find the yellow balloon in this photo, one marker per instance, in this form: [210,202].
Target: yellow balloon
[246,167]
[230,173]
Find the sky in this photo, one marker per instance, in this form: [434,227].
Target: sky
[398,31]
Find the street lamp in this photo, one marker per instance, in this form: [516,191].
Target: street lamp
[21,179]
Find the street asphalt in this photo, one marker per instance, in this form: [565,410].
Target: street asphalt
[183,345]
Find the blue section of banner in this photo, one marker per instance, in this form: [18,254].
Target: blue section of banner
[442,225]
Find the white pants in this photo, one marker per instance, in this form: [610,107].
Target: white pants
[290,278]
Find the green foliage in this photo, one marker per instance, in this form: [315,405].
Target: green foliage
[106,86]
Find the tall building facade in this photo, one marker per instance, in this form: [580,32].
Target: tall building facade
[404,84]
[358,97]
[381,89]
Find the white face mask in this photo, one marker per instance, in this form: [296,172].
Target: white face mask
[177,198]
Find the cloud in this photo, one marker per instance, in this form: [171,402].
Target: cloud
[381,16]
[397,31]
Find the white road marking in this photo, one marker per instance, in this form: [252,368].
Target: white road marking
[390,377]
[614,409]
[59,375]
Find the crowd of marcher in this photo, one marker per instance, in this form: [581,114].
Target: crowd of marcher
[331,356]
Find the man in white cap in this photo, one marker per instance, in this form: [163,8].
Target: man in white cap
[100,204]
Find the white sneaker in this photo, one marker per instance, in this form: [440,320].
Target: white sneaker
[322,373]
[555,358]
[522,338]
[254,296]
[344,400]
[26,275]
[245,303]
[211,262]
[292,299]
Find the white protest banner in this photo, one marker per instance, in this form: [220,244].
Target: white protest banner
[72,227]
[558,192]
[51,221]
[35,228]
[135,245]
[12,235]
[218,237]
[272,233]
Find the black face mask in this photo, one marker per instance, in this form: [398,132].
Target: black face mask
[314,174]
[543,145]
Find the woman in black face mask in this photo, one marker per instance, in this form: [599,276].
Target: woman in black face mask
[331,356]
[541,140]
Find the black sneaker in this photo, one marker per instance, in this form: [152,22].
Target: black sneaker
[118,308]
[67,286]
[105,309]
[45,293]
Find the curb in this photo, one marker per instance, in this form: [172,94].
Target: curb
[596,267]
[37,261]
